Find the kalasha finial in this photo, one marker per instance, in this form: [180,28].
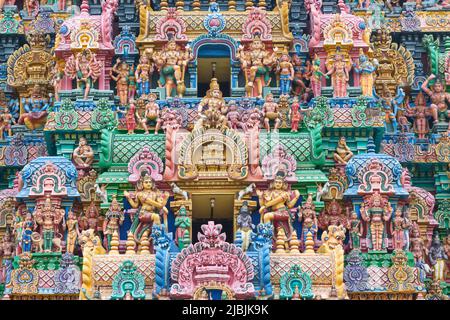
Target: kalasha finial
[85,6]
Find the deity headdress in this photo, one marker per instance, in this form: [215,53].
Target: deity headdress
[361,53]
[214,85]
[280,176]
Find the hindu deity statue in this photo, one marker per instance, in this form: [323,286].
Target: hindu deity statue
[234,117]
[397,229]
[406,225]
[172,62]
[437,257]
[316,77]
[143,74]
[113,220]
[286,72]
[90,218]
[26,242]
[245,225]
[339,72]
[151,114]
[256,64]
[366,69]
[343,153]
[35,109]
[439,99]
[83,155]
[131,83]
[376,211]
[307,214]
[298,85]
[271,113]
[6,120]
[130,117]
[149,201]
[85,68]
[183,225]
[420,113]
[418,249]
[49,218]
[57,77]
[355,231]
[295,115]
[277,202]
[216,109]
[122,72]
[72,232]
[7,247]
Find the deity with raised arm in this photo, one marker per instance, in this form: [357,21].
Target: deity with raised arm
[256,64]
[212,109]
[35,109]
[421,113]
[49,218]
[120,73]
[439,99]
[6,120]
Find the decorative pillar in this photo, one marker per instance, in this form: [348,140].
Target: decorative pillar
[130,244]
[192,67]
[114,243]
[309,243]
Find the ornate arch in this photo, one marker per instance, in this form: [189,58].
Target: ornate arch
[221,39]
[293,279]
[145,160]
[171,24]
[257,23]
[49,178]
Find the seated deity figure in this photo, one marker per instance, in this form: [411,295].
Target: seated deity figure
[83,155]
[151,114]
[172,62]
[366,69]
[49,219]
[256,64]
[122,72]
[113,220]
[343,153]
[212,109]
[149,201]
[35,108]
[234,117]
[376,211]
[439,99]
[276,204]
[270,112]
[339,75]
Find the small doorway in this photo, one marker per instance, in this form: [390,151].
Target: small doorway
[213,207]
[213,61]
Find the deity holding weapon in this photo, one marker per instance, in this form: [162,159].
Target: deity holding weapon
[122,71]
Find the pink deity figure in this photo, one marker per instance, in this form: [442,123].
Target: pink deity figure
[420,113]
[339,75]
[31,7]
[376,214]
[398,235]
[270,112]
[438,99]
[234,117]
[316,77]
[295,115]
[130,117]
[151,114]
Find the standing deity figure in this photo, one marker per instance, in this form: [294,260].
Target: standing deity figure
[49,219]
[367,70]
[437,258]
[339,75]
[270,112]
[245,225]
[31,7]
[397,229]
[26,241]
[143,74]
[151,114]
[83,155]
[256,64]
[7,249]
[406,225]
[298,85]
[172,62]
[234,117]
[419,250]
[6,120]
[122,71]
[286,71]
[276,204]
[295,115]
[343,153]
[131,83]
[36,109]
[113,220]
[183,225]
[149,201]
[355,231]
[378,212]
[212,109]
[90,218]
[439,99]
[72,232]
[420,113]
[307,214]
[130,117]
[316,77]
[85,68]
[57,76]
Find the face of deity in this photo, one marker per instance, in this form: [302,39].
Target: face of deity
[354,215]
[362,58]
[171,46]
[295,100]
[376,201]
[342,141]
[438,87]
[285,57]
[338,57]
[82,142]
[398,212]
[278,184]
[257,44]
[147,183]
[296,59]
[215,93]
[269,98]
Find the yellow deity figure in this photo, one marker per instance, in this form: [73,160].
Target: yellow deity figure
[113,220]
[366,69]
[149,201]
[49,219]
[343,152]
[212,109]
[276,204]
[72,232]
[122,71]
[256,64]
[172,62]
